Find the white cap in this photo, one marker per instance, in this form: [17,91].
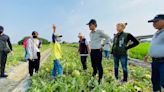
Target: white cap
[80,35]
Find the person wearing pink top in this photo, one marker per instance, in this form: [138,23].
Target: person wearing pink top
[25,45]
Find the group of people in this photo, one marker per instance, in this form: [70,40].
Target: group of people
[96,48]
[122,42]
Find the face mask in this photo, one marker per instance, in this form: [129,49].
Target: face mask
[34,36]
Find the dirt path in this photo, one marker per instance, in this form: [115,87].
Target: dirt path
[141,63]
[18,75]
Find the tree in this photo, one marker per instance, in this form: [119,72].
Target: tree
[44,41]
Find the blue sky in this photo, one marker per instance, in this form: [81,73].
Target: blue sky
[21,17]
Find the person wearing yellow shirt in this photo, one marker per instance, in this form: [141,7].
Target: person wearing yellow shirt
[56,53]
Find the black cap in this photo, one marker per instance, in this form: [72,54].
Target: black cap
[157,18]
[1,29]
[92,21]
[57,35]
[60,36]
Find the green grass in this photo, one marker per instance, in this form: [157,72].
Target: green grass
[140,51]
[139,78]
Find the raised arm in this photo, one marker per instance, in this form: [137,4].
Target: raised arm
[54,28]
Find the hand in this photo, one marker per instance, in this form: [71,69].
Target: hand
[12,53]
[146,58]
[30,58]
[54,27]
[101,49]
[89,51]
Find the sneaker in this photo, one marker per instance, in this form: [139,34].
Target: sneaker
[123,81]
[4,76]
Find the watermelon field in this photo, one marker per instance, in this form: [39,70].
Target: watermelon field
[35,34]
[140,51]
[74,79]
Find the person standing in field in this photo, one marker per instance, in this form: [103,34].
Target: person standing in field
[25,48]
[96,37]
[120,48]
[156,51]
[33,50]
[5,48]
[106,50]
[83,50]
[56,53]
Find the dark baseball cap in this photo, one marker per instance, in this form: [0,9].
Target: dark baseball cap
[92,21]
[58,35]
[157,18]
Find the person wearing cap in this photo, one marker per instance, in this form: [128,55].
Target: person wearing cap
[83,50]
[156,51]
[120,48]
[33,50]
[4,50]
[96,37]
[56,53]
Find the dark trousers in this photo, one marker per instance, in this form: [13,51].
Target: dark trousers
[96,59]
[157,75]
[84,62]
[3,59]
[34,65]
[124,63]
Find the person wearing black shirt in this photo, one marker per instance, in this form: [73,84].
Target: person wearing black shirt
[4,50]
[122,42]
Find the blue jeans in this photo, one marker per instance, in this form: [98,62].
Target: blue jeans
[57,68]
[124,63]
[157,75]
[106,53]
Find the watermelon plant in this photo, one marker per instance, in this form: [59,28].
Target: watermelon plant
[74,79]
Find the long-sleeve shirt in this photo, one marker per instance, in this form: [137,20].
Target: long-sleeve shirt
[134,40]
[157,45]
[32,48]
[129,38]
[5,39]
[96,39]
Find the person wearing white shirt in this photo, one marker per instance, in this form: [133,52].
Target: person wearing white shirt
[96,37]
[106,50]
[33,50]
